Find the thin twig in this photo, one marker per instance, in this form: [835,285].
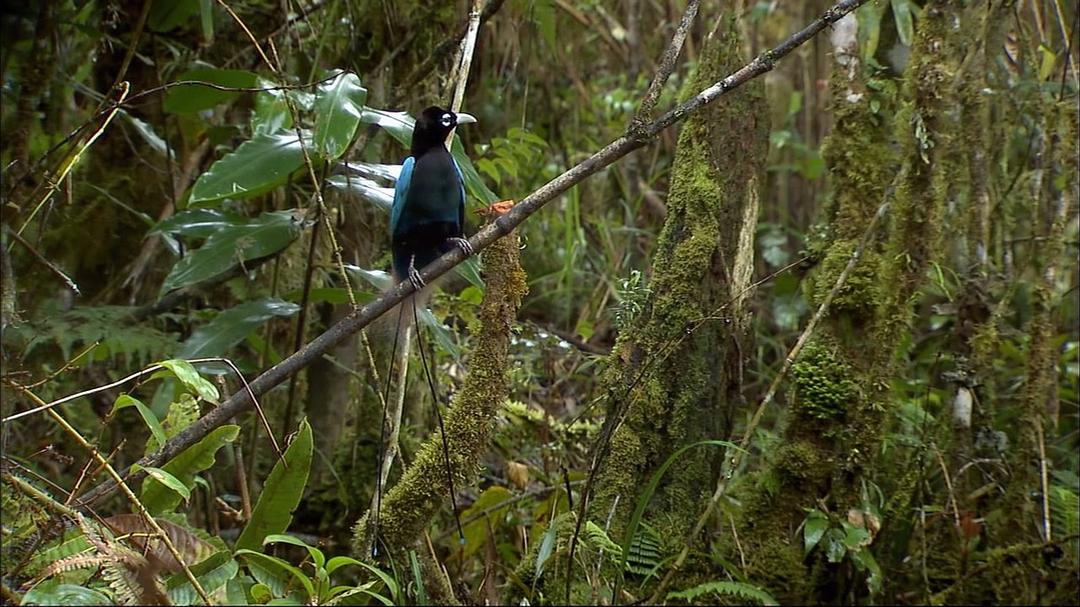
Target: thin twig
[1045,481]
[467,46]
[48,264]
[71,161]
[493,231]
[948,485]
[667,65]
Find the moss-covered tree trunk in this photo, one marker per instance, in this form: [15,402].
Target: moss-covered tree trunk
[677,371]
[840,382]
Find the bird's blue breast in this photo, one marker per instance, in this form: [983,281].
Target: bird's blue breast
[429,190]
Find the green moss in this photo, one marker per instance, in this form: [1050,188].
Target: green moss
[859,296]
[824,384]
[409,506]
[686,385]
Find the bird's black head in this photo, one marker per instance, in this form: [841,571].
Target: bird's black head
[433,126]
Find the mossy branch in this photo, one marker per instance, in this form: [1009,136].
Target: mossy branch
[423,488]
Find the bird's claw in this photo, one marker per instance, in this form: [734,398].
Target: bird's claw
[414,276]
[465,246]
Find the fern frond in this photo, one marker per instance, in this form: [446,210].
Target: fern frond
[739,590]
[122,582]
[598,539]
[644,554]
[71,563]
[1065,508]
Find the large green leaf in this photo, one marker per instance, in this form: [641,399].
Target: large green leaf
[213,573]
[198,223]
[196,97]
[123,401]
[265,235]
[52,593]
[157,498]
[259,165]
[365,189]
[281,494]
[903,13]
[339,105]
[398,124]
[271,110]
[233,326]
[189,376]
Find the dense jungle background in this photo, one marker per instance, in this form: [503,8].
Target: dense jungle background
[811,337]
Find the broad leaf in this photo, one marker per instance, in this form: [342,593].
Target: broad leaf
[196,97]
[123,401]
[52,593]
[170,481]
[265,235]
[339,105]
[281,494]
[903,12]
[233,326]
[317,555]
[256,167]
[398,124]
[197,384]
[213,573]
[279,568]
[364,189]
[816,524]
[547,547]
[196,458]
[198,223]
[271,110]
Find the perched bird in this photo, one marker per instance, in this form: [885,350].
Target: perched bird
[428,214]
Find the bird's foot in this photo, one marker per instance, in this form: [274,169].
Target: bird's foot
[414,276]
[465,246]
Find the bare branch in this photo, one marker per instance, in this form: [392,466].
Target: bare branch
[667,64]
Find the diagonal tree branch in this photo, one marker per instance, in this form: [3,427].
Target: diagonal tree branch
[500,227]
[667,65]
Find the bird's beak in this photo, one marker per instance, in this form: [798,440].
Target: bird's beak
[466,119]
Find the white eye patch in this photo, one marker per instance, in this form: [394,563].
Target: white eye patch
[447,119]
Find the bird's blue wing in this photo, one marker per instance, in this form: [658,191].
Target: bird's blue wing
[401,192]
[461,206]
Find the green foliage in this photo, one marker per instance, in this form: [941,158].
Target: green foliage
[201,456]
[79,327]
[196,97]
[506,159]
[213,573]
[255,167]
[276,576]
[632,295]
[281,493]
[232,326]
[338,107]
[230,246]
[55,593]
[845,539]
[739,590]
